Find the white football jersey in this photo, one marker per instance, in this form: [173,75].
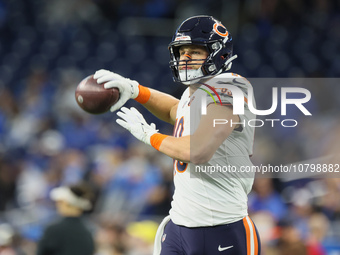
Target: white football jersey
[203,198]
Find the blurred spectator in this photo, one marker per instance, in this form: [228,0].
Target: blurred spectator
[267,228]
[7,241]
[69,236]
[290,241]
[329,203]
[110,238]
[158,202]
[128,189]
[318,228]
[265,198]
[141,236]
[9,172]
[301,209]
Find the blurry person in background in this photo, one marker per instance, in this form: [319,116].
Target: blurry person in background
[318,225]
[140,238]
[69,235]
[111,237]
[264,198]
[290,241]
[7,244]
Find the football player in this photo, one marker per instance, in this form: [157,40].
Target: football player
[209,209]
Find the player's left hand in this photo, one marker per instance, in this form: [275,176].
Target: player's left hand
[127,88]
[133,120]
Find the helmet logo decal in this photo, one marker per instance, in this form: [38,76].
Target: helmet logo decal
[216,25]
[183,38]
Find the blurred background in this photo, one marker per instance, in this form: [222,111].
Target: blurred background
[48,47]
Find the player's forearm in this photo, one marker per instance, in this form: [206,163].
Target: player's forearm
[161,105]
[176,147]
[179,148]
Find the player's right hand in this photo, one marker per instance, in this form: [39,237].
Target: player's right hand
[127,88]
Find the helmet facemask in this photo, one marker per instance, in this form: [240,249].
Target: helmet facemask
[208,68]
[183,70]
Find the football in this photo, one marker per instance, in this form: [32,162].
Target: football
[93,97]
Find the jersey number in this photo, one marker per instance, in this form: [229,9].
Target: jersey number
[178,131]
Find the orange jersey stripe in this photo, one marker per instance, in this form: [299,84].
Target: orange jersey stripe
[255,238]
[246,227]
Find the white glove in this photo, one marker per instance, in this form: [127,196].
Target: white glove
[127,88]
[134,121]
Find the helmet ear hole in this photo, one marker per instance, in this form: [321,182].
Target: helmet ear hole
[225,56]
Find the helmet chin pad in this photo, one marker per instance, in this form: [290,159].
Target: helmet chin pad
[190,76]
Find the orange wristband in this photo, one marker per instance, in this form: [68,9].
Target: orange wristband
[144,94]
[156,140]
